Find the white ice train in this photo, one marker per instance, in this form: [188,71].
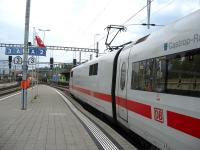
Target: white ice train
[152,86]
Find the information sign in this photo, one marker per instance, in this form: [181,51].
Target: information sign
[31,61]
[41,52]
[35,51]
[14,51]
[17,60]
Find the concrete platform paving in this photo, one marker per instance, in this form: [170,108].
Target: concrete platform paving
[47,124]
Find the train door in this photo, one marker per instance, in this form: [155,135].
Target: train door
[122,91]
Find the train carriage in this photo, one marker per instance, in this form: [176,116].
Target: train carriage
[92,81]
[152,86]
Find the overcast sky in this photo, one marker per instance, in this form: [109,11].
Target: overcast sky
[77,23]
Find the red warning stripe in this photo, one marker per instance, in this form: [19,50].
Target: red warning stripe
[101,96]
[186,124]
[139,108]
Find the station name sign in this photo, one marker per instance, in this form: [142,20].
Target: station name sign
[34,51]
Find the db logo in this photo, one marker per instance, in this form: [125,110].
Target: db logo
[158,115]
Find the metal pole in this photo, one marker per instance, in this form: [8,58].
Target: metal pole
[37,74]
[15,74]
[148,13]
[10,74]
[25,68]
[97,53]
[80,57]
[39,57]
[32,83]
[35,77]
[33,72]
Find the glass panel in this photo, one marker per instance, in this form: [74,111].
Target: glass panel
[184,74]
[123,76]
[178,74]
[141,75]
[135,76]
[95,69]
[160,74]
[90,70]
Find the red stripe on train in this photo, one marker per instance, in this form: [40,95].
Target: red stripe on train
[186,124]
[104,97]
[139,108]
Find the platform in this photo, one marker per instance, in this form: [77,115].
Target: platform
[51,122]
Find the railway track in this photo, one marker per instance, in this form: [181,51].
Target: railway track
[9,89]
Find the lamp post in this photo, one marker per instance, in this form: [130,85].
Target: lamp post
[43,30]
[95,39]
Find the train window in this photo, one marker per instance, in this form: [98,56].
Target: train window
[176,74]
[149,75]
[138,75]
[93,69]
[90,70]
[123,76]
[184,74]
[135,76]
[160,74]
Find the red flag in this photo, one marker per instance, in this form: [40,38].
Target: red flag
[39,42]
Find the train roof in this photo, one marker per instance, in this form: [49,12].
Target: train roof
[175,37]
[109,57]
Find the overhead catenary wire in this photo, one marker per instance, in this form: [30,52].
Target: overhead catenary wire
[98,15]
[156,11]
[153,13]
[168,3]
[135,14]
[141,22]
[144,24]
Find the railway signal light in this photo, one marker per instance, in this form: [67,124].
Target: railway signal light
[74,62]
[9,61]
[51,63]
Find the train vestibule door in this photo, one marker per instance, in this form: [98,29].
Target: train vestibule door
[122,91]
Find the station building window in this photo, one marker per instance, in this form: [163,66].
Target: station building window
[176,74]
[93,69]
